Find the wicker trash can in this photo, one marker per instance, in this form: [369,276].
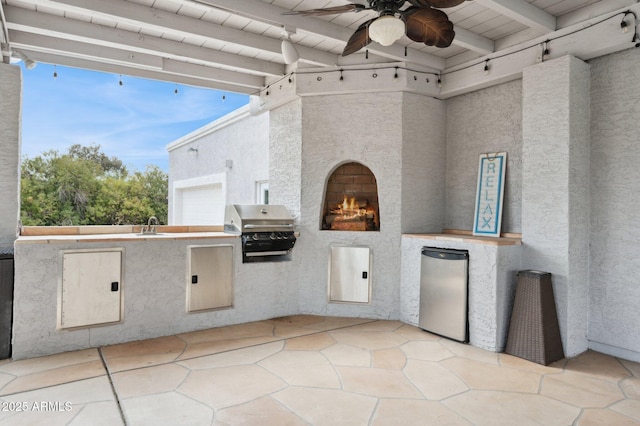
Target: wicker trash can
[534,333]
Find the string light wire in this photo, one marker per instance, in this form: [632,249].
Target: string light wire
[439,75]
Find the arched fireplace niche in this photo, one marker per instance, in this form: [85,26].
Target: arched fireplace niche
[351,200]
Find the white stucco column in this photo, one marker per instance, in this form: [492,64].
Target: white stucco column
[285,157]
[10,119]
[555,187]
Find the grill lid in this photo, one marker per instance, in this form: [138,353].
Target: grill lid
[242,218]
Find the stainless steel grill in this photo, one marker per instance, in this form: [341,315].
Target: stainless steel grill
[266,230]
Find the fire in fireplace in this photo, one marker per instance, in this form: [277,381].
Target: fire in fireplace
[351,200]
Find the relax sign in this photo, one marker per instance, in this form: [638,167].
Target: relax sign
[488,214]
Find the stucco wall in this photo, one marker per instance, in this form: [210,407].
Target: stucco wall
[614,307]
[154,289]
[10,118]
[285,157]
[555,195]
[423,168]
[329,139]
[402,147]
[489,120]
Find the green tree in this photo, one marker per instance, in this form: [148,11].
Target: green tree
[109,165]
[85,187]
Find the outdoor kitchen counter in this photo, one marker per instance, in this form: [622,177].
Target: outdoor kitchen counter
[156,278]
[467,237]
[93,238]
[493,266]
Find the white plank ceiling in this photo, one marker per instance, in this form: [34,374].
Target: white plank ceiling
[235,45]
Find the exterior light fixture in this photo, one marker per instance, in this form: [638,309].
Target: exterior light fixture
[28,63]
[289,52]
[386,30]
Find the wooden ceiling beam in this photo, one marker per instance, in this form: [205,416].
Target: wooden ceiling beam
[523,12]
[49,58]
[184,26]
[40,23]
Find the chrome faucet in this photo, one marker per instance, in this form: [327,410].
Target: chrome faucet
[150,227]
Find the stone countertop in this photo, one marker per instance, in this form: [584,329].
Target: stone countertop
[468,238]
[92,238]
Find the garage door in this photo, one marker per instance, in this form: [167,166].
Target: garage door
[202,205]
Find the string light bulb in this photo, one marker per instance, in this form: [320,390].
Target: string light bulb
[486,67]
[341,79]
[545,52]
[120,83]
[55,72]
[395,76]
[439,81]
[624,26]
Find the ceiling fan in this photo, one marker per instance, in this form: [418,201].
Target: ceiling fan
[420,22]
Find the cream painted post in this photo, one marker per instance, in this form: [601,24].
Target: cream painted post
[555,187]
[10,121]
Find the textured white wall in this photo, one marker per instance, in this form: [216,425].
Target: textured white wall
[154,287]
[400,137]
[244,142]
[285,157]
[489,120]
[555,193]
[615,205]
[423,168]
[335,130]
[10,119]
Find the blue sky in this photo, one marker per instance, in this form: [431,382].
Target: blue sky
[134,121]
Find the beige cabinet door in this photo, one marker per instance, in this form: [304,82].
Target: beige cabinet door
[210,279]
[90,288]
[349,274]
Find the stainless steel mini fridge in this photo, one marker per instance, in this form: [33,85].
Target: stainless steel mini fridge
[444,291]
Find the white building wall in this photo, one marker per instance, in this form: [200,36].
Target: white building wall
[235,146]
[10,119]
[614,299]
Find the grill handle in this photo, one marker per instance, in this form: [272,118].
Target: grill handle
[266,253]
[252,226]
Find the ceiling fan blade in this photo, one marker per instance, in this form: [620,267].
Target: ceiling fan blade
[441,4]
[354,7]
[359,39]
[429,26]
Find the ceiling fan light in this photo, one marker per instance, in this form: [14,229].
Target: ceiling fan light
[386,30]
[289,52]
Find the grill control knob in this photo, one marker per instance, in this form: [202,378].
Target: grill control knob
[272,236]
[256,236]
